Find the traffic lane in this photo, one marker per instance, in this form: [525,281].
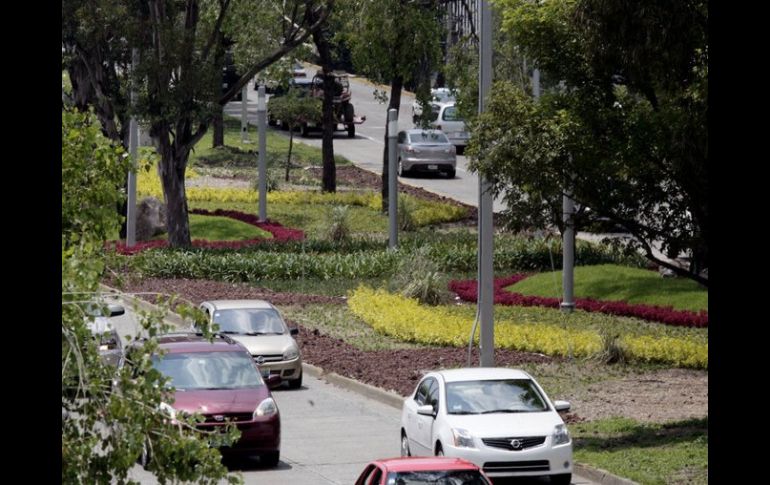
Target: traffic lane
[328,435]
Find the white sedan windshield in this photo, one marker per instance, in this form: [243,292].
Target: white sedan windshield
[494,396]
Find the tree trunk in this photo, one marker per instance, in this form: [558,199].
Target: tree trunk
[218,125]
[172,173]
[395,103]
[329,171]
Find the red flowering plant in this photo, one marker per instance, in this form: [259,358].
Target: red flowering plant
[280,233]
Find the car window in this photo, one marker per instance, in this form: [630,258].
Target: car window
[433,395]
[449,477]
[450,114]
[422,391]
[492,396]
[428,137]
[250,321]
[209,370]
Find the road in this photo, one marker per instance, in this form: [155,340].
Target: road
[328,433]
[366,149]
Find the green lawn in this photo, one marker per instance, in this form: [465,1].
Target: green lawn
[215,228]
[669,453]
[313,219]
[620,283]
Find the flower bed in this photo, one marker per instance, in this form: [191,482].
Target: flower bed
[279,233]
[467,290]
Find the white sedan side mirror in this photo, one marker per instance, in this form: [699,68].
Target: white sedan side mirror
[561,406]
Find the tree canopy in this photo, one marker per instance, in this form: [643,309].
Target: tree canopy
[623,121]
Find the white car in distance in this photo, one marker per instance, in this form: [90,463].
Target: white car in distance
[498,418]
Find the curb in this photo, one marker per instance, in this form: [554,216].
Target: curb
[600,476]
[386,397]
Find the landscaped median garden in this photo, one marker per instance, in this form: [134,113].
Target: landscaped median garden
[637,383]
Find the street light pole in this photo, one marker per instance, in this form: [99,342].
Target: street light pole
[133,149]
[486,243]
[392,180]
[244,113]
[262,127]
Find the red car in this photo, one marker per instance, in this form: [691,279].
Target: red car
[413,470]
[220,380]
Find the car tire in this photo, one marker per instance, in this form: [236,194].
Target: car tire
[451,174]
[439,450]
[145,458]
[351,130]
[562,479]
[401,171]
[296,383]
[405,451]
[270,458]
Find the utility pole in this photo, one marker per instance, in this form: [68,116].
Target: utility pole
[485,244]
[133,150]
[392,180]
[262,127]
[244,119]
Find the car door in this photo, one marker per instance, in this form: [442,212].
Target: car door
[424,432]
[411,424]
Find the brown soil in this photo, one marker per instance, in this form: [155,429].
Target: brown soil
[658,396]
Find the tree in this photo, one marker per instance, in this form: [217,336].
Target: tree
[109,415]
[322,40]
[392,41]
[623,121]
[179,73]
[293,110]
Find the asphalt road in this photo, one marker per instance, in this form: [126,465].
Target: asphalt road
[366,149]
[328,434]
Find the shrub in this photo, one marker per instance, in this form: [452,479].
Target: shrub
[339,229]
[419,277]
[406,219]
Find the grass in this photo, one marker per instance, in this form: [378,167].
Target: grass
[313,219]
[215,228]
[669,453]
[620,283]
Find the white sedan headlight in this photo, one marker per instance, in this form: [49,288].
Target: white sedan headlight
[290,354]
[560,434]
[266,408]
[462,438]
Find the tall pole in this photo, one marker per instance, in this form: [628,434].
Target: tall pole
[262,127]
[392,180]
[486,248]
[568,247]
[133,149]
[244,119]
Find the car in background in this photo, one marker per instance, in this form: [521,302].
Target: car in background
[104,333]
[498,418]
[220,380]
[446,117]
[405,471]
[438,95]
[298,70]
[259,326]
[426,151]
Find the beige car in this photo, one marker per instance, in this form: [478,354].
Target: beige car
[259,327]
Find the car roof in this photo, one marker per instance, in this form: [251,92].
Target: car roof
[425,464]
[191,342]
[482,373]
[237,304]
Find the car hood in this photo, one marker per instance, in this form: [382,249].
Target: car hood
[220,401]
[265,344]
[504,425]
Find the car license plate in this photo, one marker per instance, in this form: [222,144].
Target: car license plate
[432,167]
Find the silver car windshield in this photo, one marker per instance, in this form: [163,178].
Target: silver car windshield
[209,370]
[428,137]
[494,396]
[250,321]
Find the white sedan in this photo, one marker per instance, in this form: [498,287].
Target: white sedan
[498,418]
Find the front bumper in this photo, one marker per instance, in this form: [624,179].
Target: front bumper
[257,436]
[287,369]
[537,461]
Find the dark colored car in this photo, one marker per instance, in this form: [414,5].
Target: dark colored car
[455,471]
[220,380]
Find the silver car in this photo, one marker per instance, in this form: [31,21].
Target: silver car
[259,327]
[427,151]
[446,117]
